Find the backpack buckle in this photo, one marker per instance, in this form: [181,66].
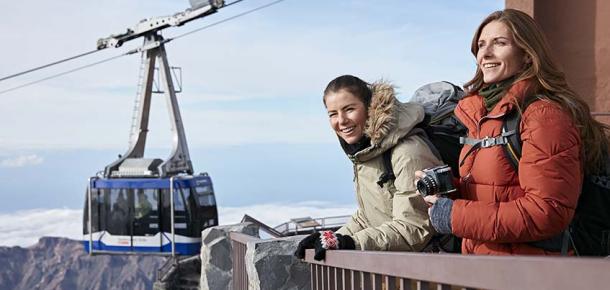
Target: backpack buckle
[488,142]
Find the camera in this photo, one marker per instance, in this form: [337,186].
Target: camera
[437,181]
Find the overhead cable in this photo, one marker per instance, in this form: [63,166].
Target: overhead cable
[228,18]
[64,73]
[234,2]
[96,50]
[127,53]
[48,65]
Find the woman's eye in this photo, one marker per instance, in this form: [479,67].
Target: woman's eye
[481,44]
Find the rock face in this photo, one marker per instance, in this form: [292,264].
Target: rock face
[271,265]
[216,259]
[63,264]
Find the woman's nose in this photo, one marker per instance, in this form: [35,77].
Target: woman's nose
[486,51]
[342,118]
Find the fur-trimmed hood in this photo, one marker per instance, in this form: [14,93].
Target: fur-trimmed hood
[388,120]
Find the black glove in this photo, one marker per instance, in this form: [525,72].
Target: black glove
[327,240]
[320,242]
[307,243]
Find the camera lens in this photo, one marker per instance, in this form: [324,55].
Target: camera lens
[427,186]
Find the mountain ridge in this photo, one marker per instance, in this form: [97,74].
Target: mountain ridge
[62,264]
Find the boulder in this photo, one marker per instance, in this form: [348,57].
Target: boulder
[216,258]
[271,265]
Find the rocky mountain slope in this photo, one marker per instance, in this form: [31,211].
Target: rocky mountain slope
[63,264]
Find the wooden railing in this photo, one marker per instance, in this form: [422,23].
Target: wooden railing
[240,276]
[397,270]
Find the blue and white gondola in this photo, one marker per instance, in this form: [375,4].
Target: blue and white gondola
[134,215]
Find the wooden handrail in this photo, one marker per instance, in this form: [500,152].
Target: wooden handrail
[486,272]
[242,238]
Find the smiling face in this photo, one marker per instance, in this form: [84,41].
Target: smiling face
[498,56]
[347,115]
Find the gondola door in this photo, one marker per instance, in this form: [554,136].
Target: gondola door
[118,217]
[145,223]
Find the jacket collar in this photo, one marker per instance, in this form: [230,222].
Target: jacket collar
[472,108]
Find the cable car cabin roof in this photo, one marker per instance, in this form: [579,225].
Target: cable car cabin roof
[182,181]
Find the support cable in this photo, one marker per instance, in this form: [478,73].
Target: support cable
[234,2]
[64,73]
[127,53]
[96,50]
[228,18]
[49,64]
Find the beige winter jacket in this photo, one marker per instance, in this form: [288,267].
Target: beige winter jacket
[393,217]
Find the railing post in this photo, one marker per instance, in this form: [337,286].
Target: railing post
[355,280]
[390,282]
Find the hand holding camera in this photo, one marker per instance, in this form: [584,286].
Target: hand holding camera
[434,182]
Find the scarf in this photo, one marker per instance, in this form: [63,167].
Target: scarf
[493,93]
[351,149]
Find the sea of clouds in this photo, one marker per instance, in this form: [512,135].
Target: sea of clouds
[24,228]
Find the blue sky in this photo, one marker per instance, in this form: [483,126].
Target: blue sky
[252,91]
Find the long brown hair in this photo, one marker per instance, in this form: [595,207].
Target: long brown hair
[548,80]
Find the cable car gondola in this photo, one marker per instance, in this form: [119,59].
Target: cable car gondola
[139,205]
[156,215]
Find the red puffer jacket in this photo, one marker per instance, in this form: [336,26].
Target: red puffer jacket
[500,210]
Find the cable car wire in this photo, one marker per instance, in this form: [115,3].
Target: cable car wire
[234,2]
[49,64]
[228,18]
[124,54]
[72,57]
[65,73]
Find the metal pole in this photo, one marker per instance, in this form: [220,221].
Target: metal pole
[90,225]
[171,201]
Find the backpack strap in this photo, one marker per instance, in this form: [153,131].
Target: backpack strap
[388,173]
[424,137]
[512,122]
[512,148]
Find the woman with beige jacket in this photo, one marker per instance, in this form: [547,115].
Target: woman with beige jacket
[391,215]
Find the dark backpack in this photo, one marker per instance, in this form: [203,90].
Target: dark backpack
[589,231]
[441,130]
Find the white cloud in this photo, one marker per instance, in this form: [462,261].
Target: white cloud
[21,161]
[24,228]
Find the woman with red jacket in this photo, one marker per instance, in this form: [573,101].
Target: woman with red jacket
[502,211]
